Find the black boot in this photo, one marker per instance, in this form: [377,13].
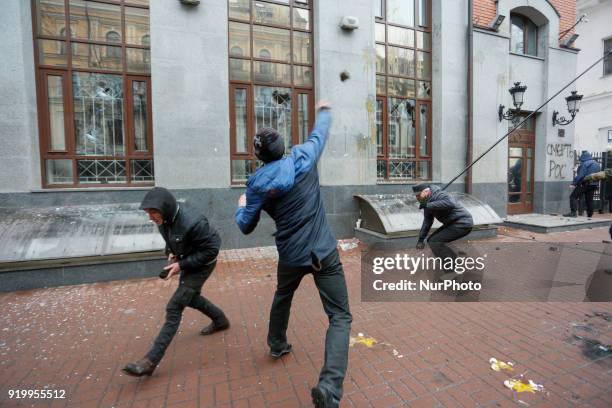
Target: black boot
[221,324]
[281,352]
[321,398]
[142,367]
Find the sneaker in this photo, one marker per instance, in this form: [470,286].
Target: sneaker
[279,353]
[570,214]
[321,398]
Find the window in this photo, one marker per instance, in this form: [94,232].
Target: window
[523,35]
[608,59]
[271,75]
[403,88]
[94,102]
[609,136]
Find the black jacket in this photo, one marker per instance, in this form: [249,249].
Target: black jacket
[187,233]
[445,209]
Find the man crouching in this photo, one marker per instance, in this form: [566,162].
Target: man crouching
[192,246]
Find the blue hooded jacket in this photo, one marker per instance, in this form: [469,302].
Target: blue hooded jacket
[288,190]
[587,166]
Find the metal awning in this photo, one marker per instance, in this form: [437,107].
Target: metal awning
[393,214]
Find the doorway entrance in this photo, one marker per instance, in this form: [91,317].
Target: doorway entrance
[521,147]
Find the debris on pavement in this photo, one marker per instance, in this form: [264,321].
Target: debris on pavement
[520,385]
[498,365]
[369,342]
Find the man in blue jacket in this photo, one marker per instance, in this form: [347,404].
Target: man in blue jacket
[581,187]
[287,188]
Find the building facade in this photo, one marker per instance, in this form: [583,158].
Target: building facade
[103,99]
[594,123]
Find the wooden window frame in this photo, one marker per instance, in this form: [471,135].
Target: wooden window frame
[43,71]
[384,156]
[250,85]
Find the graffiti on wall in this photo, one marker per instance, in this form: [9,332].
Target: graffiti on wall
[557,154]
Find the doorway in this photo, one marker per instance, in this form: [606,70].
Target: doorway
[521,147]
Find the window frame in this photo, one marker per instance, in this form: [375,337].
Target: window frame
[608,59]
[67,72]
[525,21]
[383,156]
[251,60]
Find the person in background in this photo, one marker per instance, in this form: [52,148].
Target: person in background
[456,221]
[582,187]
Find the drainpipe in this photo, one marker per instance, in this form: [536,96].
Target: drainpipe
[470,99]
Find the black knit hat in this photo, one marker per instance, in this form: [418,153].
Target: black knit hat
[417,188]
[269,145]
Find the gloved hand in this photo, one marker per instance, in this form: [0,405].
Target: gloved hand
[422,205]
[420,244]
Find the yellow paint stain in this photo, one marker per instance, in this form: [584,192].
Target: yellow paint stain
[369,342]
[500,365]
[523,386]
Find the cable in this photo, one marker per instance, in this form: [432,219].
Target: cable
[606,54]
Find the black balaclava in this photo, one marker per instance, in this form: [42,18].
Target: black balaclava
[269,145]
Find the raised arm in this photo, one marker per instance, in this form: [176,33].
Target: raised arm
[307,154]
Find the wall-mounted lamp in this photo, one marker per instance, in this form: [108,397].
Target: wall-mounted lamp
[190,2]
[517,92]
[497,22]
[573,106]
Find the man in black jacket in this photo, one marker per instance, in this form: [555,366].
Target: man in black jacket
[192,246]
[456,221]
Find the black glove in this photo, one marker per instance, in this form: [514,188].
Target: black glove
[422,205]
[420,244]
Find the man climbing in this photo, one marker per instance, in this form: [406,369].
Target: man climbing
[456,221]
[288,190]
[581,186]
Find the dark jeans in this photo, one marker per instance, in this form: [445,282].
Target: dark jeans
[446,233]
[184,296]
[579,191]
[334,296]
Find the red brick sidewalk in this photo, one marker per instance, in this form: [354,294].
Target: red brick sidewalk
[434,354]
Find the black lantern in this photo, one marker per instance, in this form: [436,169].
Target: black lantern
[518,93]
[573,106]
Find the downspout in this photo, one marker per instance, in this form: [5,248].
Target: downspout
[470,99]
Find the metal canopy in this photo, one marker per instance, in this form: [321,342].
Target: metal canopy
[69,232]
[394,214]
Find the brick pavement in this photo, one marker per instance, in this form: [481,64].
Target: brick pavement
[434,354]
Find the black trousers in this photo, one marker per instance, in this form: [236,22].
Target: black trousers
[443,235]
[332,289]
[580,190]
[186,295]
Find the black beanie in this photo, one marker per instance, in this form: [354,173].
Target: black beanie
[269,145]
[419,187]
